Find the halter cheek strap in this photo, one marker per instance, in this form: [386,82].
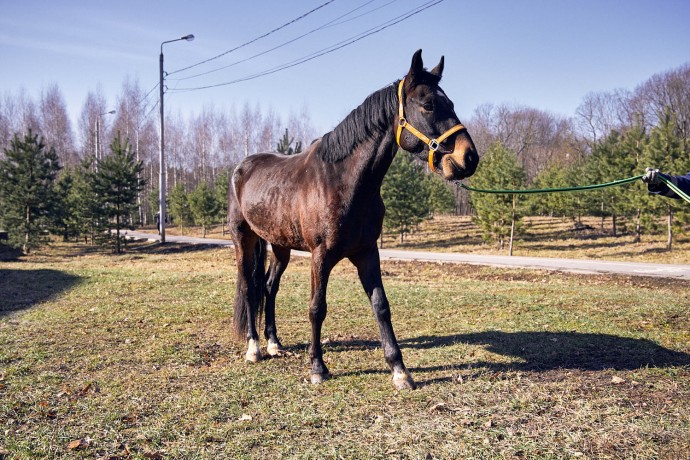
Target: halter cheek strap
[433,144]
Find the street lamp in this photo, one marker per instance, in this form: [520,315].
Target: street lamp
[161,186]
[98,129]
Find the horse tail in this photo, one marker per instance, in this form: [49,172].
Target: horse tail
[255,294]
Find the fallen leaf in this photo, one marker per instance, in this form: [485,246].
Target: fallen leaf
[79,443]
[617,380]
[437,406]
[245,418]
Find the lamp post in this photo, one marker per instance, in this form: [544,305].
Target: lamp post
[98,140]
[161,186]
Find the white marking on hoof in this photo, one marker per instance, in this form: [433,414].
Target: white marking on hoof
[253,352]
[403,380]
[274,348]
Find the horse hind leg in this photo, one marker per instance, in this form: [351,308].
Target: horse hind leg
[279,262]
[250,251]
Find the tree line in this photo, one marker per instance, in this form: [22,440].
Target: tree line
[618,155]
[96,199]
[611,134]
[199,147]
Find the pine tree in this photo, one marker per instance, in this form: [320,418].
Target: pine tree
[441,196]
[608,162]
[204,206]
[665,151]
[404,195]
[570,205]
[27,175]
[634,140]
[61,216]
[498,214]
[117,184]
[221,190]
[87,215]
[285,145]
[179,205]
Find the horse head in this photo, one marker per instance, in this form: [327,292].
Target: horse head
[428,126]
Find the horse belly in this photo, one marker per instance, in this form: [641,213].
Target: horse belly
[275,223]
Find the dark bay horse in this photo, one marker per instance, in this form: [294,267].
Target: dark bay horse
[327,200]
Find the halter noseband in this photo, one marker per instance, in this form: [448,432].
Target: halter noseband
[433,144]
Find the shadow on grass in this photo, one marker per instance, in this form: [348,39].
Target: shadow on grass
[535,352]
[545,351]
[22,289]
[167,248]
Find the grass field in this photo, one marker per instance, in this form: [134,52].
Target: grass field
[131,356]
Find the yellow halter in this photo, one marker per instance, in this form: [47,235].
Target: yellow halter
[433,144]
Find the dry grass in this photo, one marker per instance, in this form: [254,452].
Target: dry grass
[549,237]
[543,237]
[131,356]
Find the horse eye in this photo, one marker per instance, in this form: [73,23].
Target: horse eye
[428,106]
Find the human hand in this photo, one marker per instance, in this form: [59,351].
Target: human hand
[651,176]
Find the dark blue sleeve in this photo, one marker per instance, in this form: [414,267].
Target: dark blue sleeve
[682,182]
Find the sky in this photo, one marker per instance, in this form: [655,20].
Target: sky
[545,54]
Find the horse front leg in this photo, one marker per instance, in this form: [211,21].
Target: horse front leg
[279,262]
[369,269]
[321,268]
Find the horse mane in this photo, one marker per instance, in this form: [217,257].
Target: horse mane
[373,116]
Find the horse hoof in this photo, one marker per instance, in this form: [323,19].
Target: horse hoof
[403,381]
[319,378]
[253,352]
[275,349]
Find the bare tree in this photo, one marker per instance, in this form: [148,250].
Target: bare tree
[301,127]
[537,137]
[56,126]
[667,90]
[229,139]
[268,133]
[94,106]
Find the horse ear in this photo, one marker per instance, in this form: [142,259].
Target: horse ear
[438,70]
[417,66]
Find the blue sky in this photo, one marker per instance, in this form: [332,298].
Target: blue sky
[538,53]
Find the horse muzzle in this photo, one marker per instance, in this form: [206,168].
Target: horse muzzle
[461,162]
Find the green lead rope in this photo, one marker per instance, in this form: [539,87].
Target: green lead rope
[553,190]
[675,188]
[670,185]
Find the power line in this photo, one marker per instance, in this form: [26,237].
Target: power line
[323,51]
[141,101]
[363,14]
[326,25]
[152,109]
[254,39]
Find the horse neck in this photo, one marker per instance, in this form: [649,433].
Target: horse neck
[372,159]
[373,152]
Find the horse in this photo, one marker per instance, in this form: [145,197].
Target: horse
[327,200]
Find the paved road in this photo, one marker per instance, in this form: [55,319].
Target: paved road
[539,263]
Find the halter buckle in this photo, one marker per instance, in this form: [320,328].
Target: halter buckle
[402,122]
[433,145]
